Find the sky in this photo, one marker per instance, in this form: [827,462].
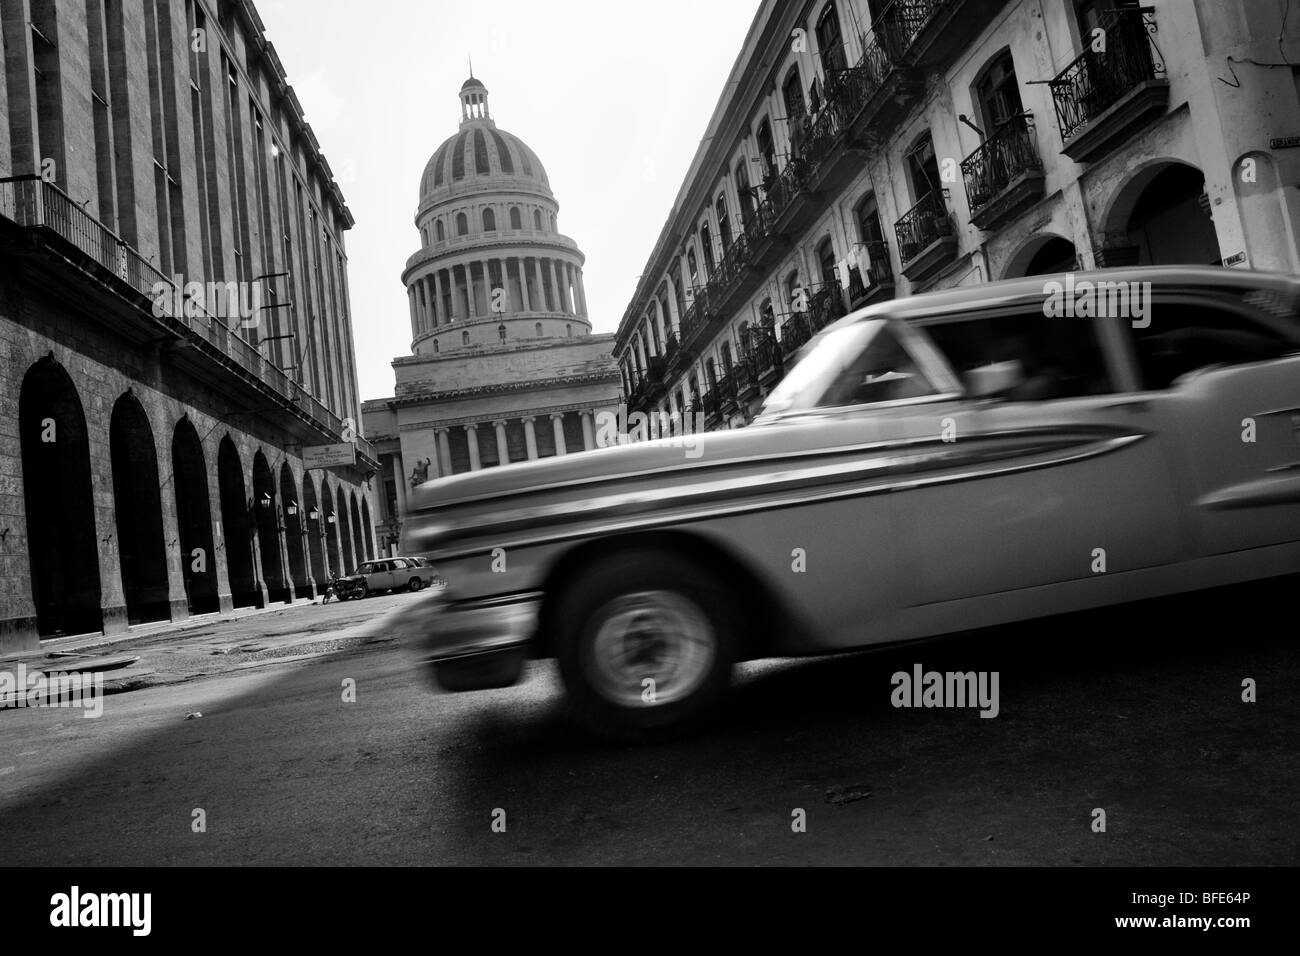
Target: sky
[613,97]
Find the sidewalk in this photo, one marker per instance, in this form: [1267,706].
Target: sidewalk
[207,644]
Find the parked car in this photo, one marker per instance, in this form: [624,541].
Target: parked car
[389,574]
[937,463]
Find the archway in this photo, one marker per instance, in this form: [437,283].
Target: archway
[358,531]
[314,517]
[344,522]
[291,509]
[367,528]
[268,530]
[1043,255]
[137,503]
[330,526]
[1161,217]
[62,545]
[237,529]
[194,519]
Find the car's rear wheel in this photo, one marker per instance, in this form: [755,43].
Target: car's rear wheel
[415,584]
[645,644]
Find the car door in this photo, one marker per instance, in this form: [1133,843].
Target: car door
[402,572]
[1222,377]
[1056,478]
[382,578]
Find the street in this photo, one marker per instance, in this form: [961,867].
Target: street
[1135,710]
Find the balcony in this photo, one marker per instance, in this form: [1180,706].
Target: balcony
[791,203]
[930,33]
[195,340]
[871,96]
[656,378]
[794,333]
[1005,175]
[926,239]
[1103,98]
[712,413]
[726,392]
[746,378]
[765,356]
[877,283]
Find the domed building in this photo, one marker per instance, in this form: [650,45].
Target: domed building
[503,365]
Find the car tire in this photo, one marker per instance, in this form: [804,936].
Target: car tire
[415,584]
[645,641]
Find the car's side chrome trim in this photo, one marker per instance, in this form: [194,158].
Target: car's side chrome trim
[888,467]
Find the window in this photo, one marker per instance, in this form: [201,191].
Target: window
[711,373]
[568,329]
[725,353]
[792,96]
[724,223]
[860,364]
[397,565]
[692,267]
[516,221]
[706,244]
[998,93]
[489,221]
[747,205]
[435,346]
[868,215]
[1185,337]
[1056,358]
[464,338]
[766,148]
[537,220]
[830,46]
[767,314]
[922,167]
[537,329]
[826,262]
[439,231]
[501,332]
[462,224]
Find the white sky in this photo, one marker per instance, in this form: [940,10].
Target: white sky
[612,96]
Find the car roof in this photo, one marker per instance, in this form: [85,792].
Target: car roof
[1006,292]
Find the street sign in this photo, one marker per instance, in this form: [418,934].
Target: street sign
[329,456]
[1284,142]
[1237,258]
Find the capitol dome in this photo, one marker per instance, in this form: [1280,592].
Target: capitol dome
[492,261]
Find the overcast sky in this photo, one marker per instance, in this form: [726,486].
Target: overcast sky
[613,98]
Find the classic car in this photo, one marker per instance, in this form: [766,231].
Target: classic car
[388,574]
[933,464]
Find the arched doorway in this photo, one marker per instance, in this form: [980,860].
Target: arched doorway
[314,516]
[330,519]
[358,531]
[291,508]
[1162,217]
[345,533]
[268,530]
[1043,255]
[367,528]
[62,546]
[138,506]
[194,519]
[237,536]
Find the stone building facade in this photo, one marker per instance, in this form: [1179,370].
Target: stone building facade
[504,367]
[866,149]
[174,324]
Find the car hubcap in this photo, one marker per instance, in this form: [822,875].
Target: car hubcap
[658,636]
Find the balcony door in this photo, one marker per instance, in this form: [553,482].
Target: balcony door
[998,93]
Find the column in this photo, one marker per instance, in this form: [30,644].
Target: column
[588,432]
[557,424]
[444,450]
[673,317]
[401,483]
[471,436]
[415,315]
[522,266]
[555,279]
[469,290]
[439,317]
[503,450]
[530,437]
[582,294]
[541,286]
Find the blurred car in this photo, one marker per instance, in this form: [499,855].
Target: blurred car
[389,574]
[937,463]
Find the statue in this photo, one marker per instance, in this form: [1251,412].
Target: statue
[420,473]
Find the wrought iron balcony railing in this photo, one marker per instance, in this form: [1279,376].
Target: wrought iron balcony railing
[794,333]
[900,22]
[1011,151]
[764,348]
[1094,81]
[850,90]
[925,223]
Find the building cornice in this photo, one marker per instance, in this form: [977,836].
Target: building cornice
[504,388]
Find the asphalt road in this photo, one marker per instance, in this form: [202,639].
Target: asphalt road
[1136,711]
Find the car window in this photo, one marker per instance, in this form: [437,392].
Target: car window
[1059,357]
[398,565]
[859,364]
[366,569]
[1184,337]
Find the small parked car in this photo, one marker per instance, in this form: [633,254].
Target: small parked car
[389,574]
[933,464]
